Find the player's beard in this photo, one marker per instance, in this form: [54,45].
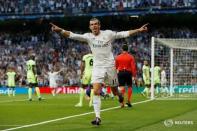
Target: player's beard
[96,31]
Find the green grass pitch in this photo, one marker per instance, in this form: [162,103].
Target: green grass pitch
[59,114]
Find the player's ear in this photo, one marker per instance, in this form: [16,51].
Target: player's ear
[99,25]
[89,25]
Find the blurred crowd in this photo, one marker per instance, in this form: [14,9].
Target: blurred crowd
[188,71]
[53,50]
[85,6]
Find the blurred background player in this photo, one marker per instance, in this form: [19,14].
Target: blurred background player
[11,77]
[32,77]
[157,82]
[164,88]
[53,78]
[146,78]
[126,68]
[100,42]
[86,74]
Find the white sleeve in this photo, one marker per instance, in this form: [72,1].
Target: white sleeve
[56,73]
[121,34]
[78,37]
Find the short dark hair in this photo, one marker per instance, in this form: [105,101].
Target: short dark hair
[94,18]
[125,47]
[32,57]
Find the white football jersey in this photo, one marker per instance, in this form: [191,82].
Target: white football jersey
[163,77]
[101,45]
[53,76]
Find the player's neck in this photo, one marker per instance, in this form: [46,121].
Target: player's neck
[96,33]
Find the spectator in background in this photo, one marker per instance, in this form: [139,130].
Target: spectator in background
[86,6]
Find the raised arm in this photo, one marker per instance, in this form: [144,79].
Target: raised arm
[68,34]
[57,29]
[124,34]
[143,28]
[61,70]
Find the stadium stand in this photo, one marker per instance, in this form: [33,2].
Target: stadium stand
[84,6]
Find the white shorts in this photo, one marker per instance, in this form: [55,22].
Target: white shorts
[107,75]
[163,83]
[53,85]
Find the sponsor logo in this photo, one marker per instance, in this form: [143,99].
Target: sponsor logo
[61,90]
[3,91]
[186,89]
[18,90]
[68,90]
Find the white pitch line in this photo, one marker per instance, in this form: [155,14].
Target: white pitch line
[175,99]
[67,117]
[15,100]
[10,125]
[7,101]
